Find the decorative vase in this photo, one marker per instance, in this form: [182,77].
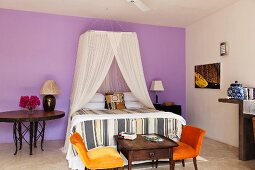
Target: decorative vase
[49,103]
[235,91]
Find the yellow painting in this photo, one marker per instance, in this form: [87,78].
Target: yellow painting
[207,76]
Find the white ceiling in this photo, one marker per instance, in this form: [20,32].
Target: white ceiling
[163,12]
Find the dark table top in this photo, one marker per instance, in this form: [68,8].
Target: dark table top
[140,143]
[25,116]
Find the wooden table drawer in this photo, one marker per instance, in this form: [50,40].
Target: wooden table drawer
[151,154]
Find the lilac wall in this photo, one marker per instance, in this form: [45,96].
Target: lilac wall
[35,47]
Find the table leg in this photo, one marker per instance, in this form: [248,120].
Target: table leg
[20,135]
[130,157]
[42,140]
[35,134]
[172,165]
[118,147]
[156,163]
[171,161]
[15,137]
[31,128]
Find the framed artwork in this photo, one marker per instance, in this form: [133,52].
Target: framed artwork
[207,76]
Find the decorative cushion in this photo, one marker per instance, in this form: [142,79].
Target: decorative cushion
[95,106]
[129,97]
[97,98]
[115,101]
[133,105]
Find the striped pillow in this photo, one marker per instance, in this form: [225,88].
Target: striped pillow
[115,101]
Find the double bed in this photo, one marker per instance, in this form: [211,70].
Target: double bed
[97,127]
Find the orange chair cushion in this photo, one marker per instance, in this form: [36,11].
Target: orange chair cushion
[97,158]
[104,158]
[183,151]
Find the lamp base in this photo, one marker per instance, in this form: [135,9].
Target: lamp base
[156,98]
[49,103]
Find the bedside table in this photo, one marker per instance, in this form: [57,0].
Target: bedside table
[177,109]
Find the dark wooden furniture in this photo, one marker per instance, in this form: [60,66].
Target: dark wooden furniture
[246,142]
[35,119]
[253,122]
[141,149]
[177,109]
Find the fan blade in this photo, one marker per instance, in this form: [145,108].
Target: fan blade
[142,6]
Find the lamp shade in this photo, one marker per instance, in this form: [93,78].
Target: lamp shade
[50,87]
[157,85]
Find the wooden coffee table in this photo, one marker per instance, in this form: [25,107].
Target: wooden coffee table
[141,149]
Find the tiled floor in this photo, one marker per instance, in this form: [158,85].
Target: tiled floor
[219,156]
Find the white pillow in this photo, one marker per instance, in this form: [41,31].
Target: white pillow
[133,105]
[129,97]
[97,98]
[95,106]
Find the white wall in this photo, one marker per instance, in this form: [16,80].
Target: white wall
[236,25]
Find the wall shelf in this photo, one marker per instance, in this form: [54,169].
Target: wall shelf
[246,137]
[235,101]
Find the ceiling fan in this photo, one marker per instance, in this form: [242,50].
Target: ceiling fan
[139,4]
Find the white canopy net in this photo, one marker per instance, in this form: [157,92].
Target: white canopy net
[95,56]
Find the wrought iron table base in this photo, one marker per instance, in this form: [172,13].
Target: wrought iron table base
[34,134]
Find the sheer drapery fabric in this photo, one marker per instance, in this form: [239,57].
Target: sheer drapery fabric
[128,57]
[95,55]
[114,81]
[94,58]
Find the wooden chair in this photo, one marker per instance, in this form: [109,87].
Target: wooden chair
[189,145]
[97,158]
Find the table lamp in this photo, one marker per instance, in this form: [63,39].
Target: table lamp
[156,86]
[49,89]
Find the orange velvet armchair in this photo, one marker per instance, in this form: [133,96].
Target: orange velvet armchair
[97,158]
[189,145]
